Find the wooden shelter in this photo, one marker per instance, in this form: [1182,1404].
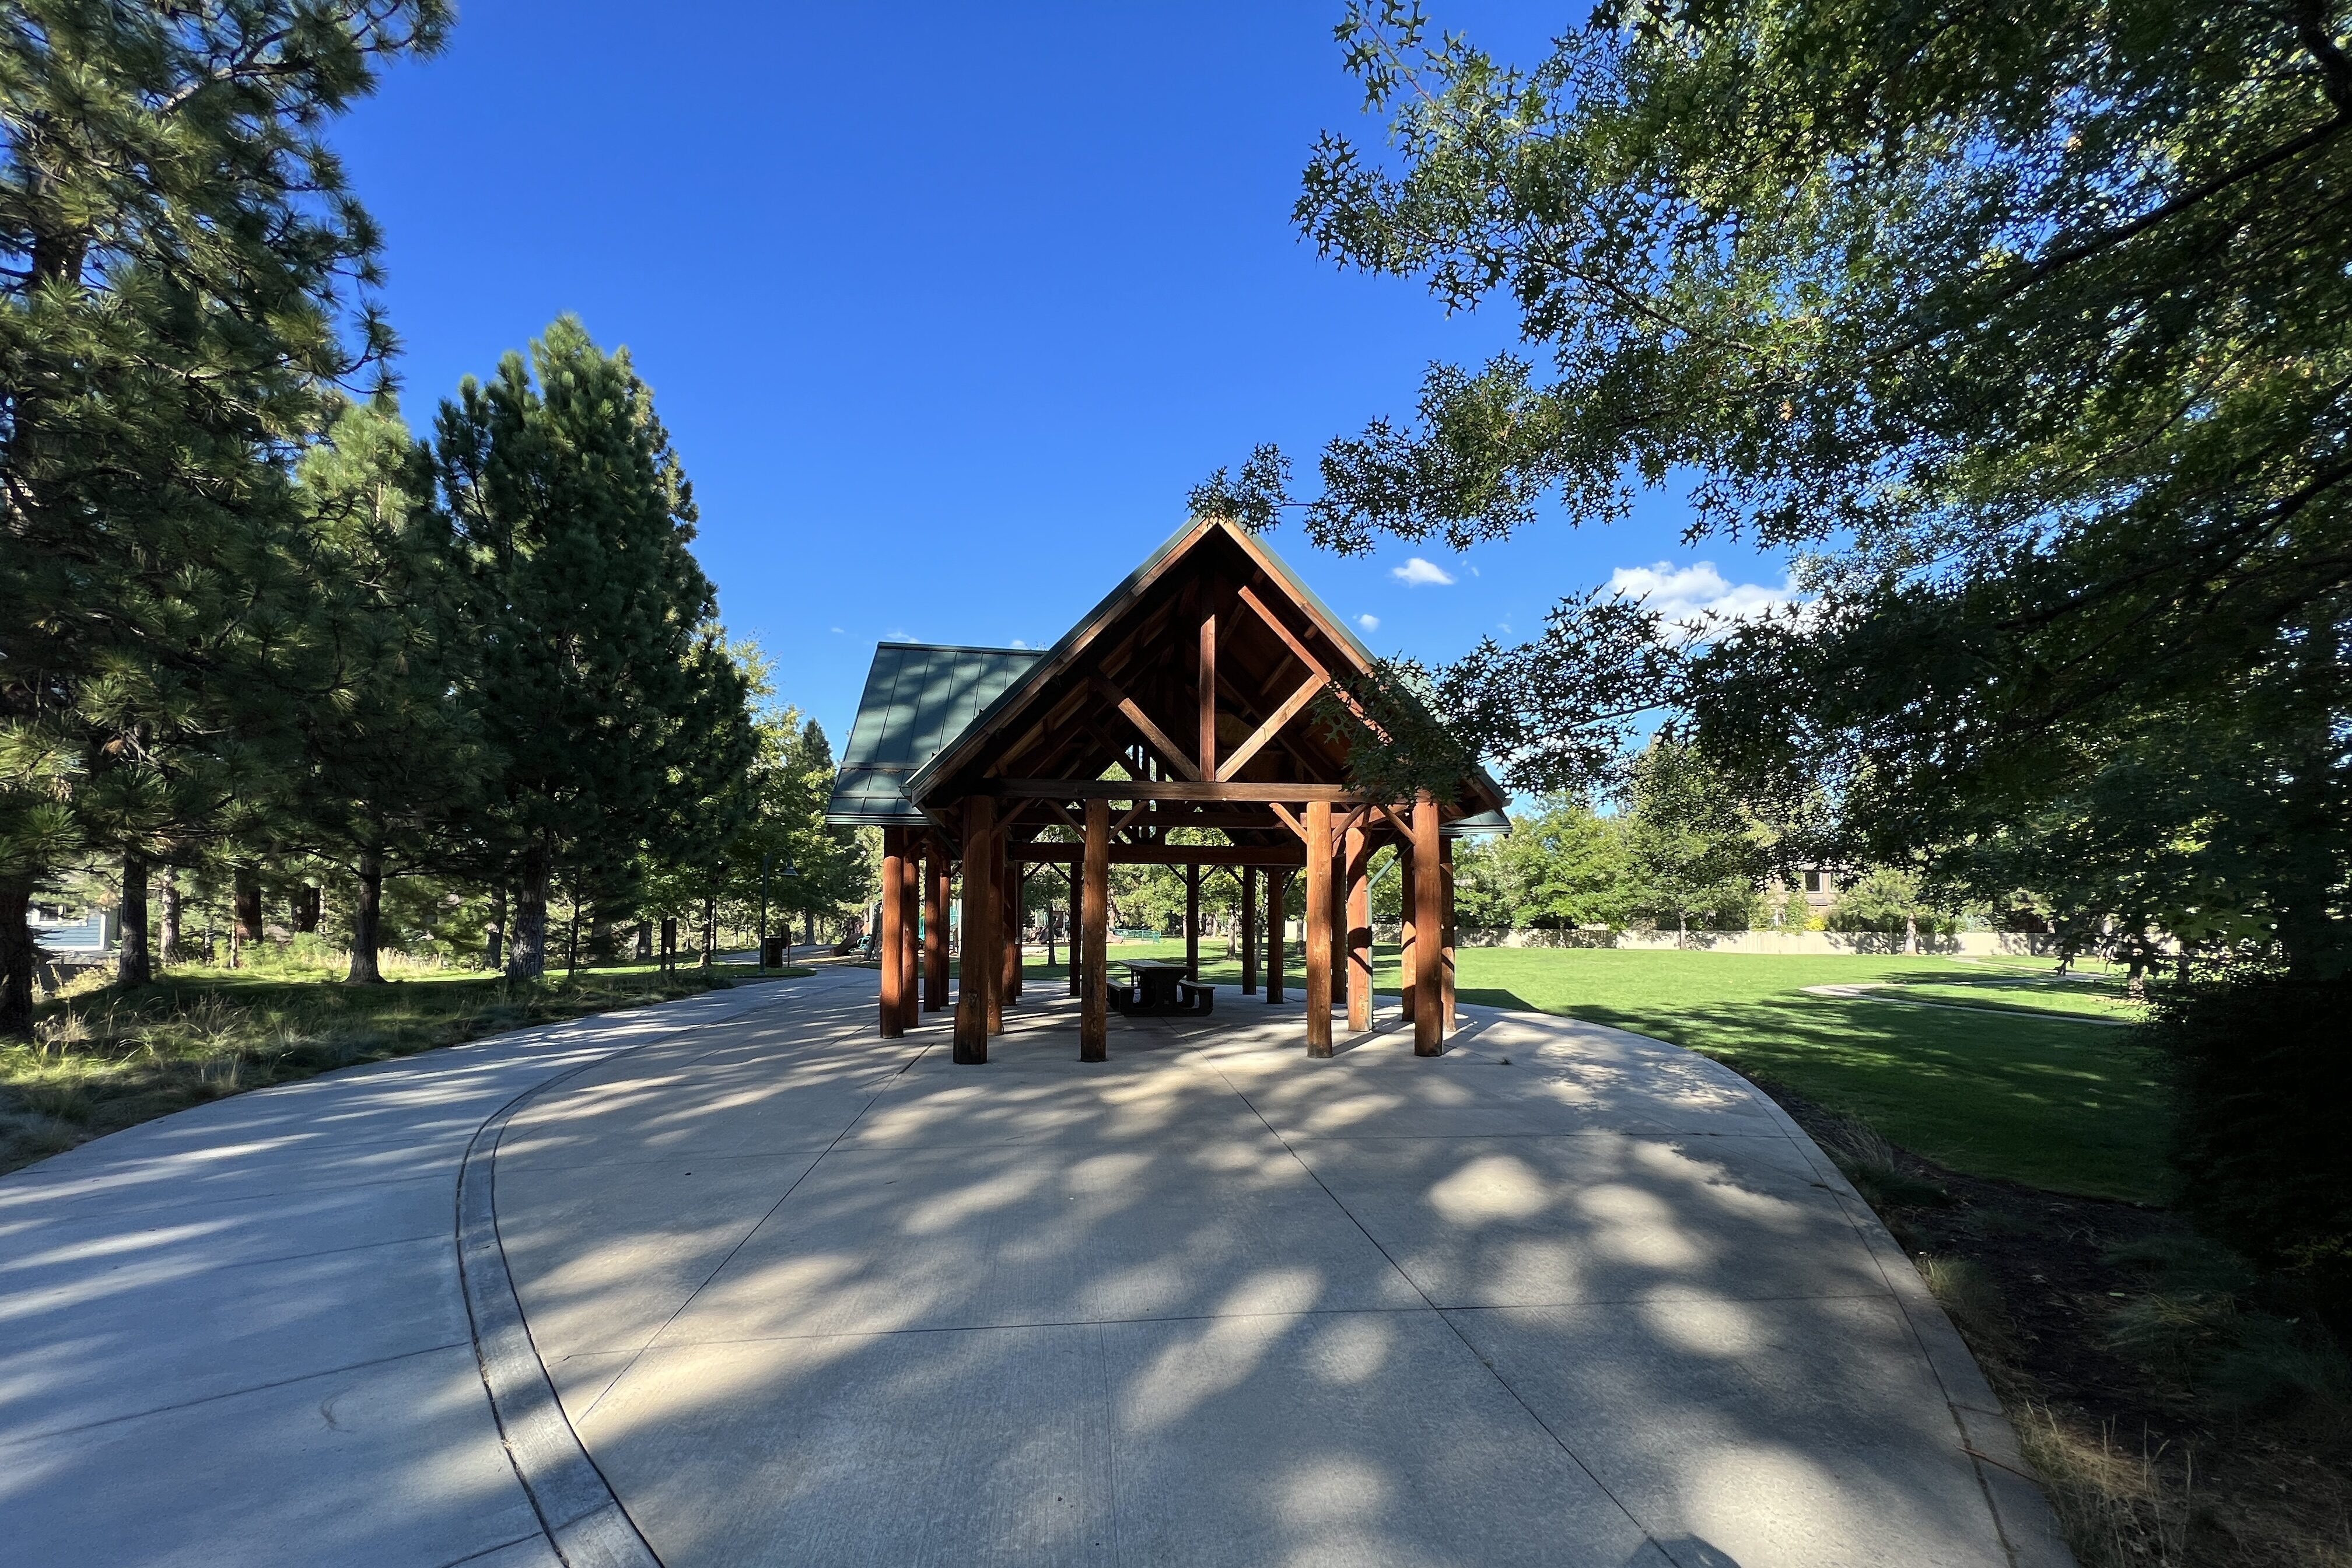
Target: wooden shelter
[1182,701]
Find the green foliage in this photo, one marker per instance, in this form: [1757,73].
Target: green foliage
[178,261]
[392,754]
[2027,329]
[1695,853]
[1887,898]
[1567,867]
[2263,1080]
[605,680]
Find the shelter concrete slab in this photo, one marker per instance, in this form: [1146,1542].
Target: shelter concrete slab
[1775,1431]
[1210,1301]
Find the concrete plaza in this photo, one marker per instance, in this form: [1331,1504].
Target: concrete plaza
[1563,1295]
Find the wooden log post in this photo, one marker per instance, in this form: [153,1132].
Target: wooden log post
[976,974]
[1004,937]
[1249,930]
[894,930]
[1319,928]
[910,955]
[1078,921]
[1358,861]
[1409,949]
[1277,922]
[935,926]
[1193,920]
[1429,930]
[1094,1008]
[1446,863]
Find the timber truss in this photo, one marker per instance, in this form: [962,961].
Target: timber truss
[1185,700]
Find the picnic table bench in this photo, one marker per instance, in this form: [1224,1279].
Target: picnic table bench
[1161,987]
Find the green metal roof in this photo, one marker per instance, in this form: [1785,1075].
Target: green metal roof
[919,696]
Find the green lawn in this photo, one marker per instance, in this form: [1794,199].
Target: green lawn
[2040,1100]
[106,1058]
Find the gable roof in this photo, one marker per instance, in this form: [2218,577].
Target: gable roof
[919,696]
[1073,643]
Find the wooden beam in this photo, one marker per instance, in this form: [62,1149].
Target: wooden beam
[1010,934]
[1036,853]
[1289,638]
[1445,897]
[1077,920]
[1153,733]
[1094,1008]
[1429,927]
[1249,930]
[1208,694]
[1358,872]
[974,973]
[1192,918]
[1273,723]
[1170,789]
[1289,821]
[935,926]
[1319,928]
[894,930]
[910,965]
[1277,923]
[1409,951]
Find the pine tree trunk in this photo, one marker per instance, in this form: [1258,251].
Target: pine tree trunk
[644,942]
[167,948]
[133,966]
[494,945]
[1911,935]
[367,921]
[248,904]
[527,960]
[571,949]
[709,927]
[307,904]
[16,958]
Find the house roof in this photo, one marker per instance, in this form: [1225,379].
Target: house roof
[919,696]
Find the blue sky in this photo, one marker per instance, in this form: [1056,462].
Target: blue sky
[945,306]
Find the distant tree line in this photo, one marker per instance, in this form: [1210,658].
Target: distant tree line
[253,632]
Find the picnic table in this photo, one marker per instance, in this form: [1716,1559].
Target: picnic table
[1160,987]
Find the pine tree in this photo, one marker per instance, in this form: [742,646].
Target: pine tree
[176,253]
[391,744]
[604,684]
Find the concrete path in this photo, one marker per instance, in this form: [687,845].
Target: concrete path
[1564,1296]
[237,1337]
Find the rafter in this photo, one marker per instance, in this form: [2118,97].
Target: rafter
[1289,710]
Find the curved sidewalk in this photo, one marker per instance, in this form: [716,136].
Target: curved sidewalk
[237,1336]
[1565,1296]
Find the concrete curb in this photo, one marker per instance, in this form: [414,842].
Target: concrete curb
[584,1522]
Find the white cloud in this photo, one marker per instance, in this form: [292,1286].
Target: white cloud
[838,631]
[1417,573]
[1686,595]
[1018,643]
[1369,623]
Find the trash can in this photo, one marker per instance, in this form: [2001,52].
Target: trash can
[773,957]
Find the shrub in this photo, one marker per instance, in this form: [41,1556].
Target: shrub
[2264,1080]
